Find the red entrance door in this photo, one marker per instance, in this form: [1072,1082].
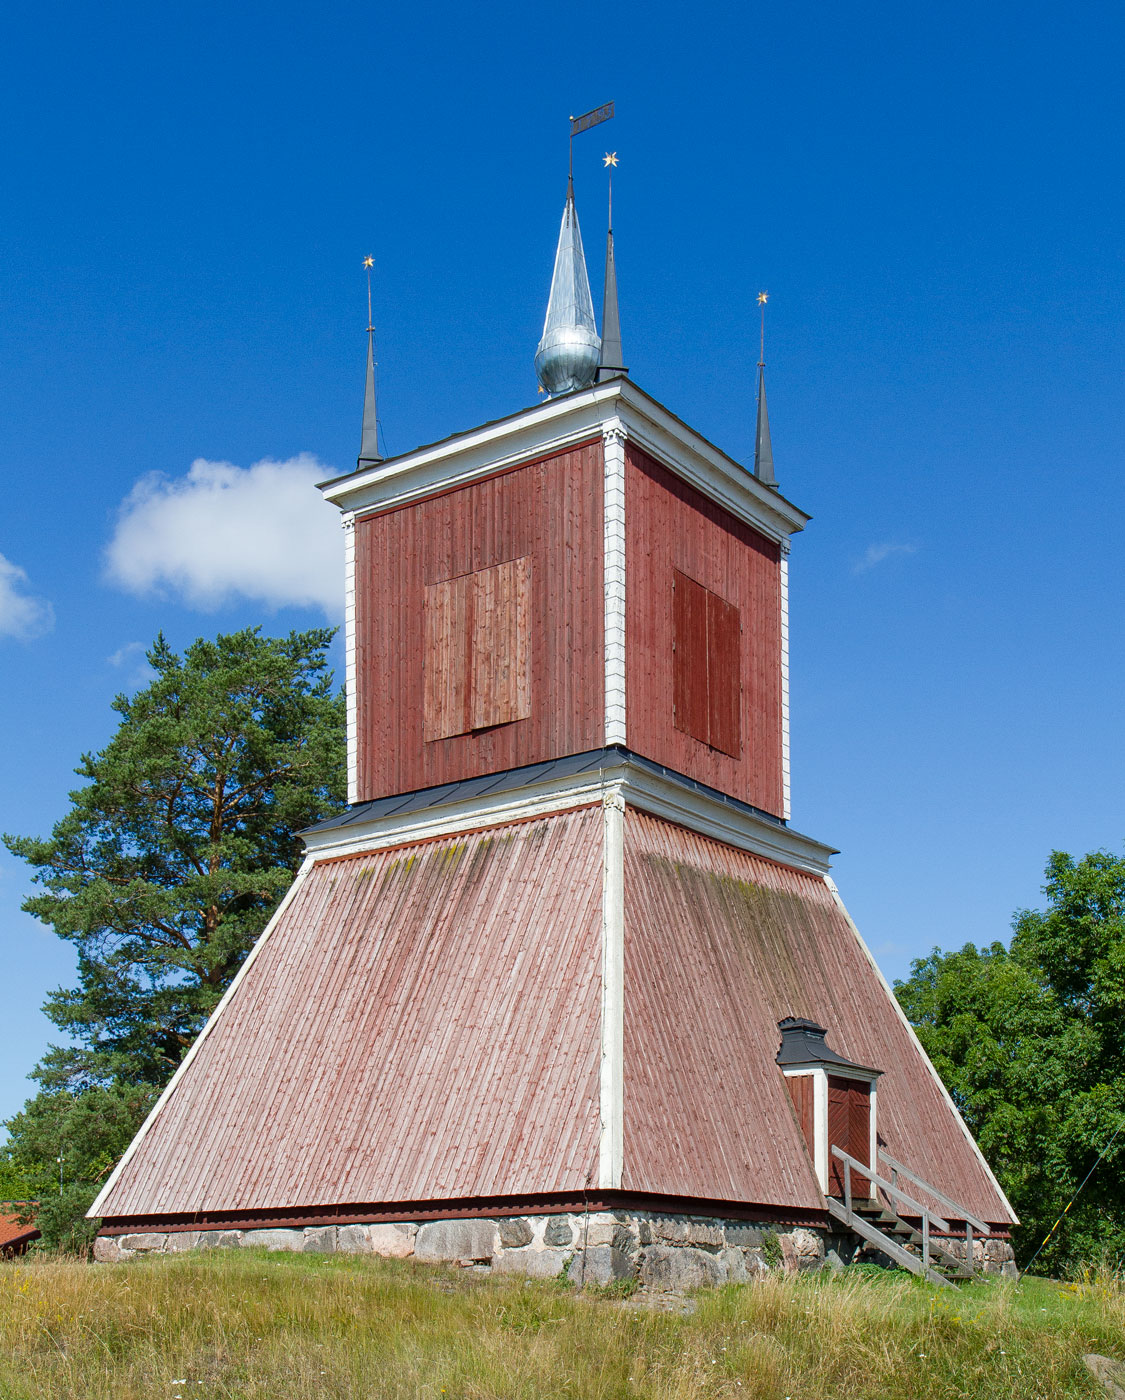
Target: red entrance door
[849,1127]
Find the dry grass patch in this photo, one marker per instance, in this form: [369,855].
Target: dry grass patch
[250,1325]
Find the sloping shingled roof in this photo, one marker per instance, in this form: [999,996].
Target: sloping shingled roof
[721,945]
[421,1022]
[13,1234]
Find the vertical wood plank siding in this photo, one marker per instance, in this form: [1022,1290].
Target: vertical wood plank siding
[422,1023]
[671,526]
[849,1127]
[720,945]
[800,1088]
[689,660]
[548,512]
[477,661]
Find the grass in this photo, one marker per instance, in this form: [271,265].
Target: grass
[246,1324]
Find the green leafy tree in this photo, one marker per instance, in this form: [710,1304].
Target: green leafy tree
[174,853]
[1030,1041]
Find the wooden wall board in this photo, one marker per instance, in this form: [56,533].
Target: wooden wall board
[672,527]
[721,945]
[547,514]
[422,1023]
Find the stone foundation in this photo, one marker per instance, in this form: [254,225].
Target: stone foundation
[665,1253]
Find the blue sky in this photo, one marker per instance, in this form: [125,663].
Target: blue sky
[931,196]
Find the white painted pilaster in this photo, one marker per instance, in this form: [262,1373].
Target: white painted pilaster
[612,1142]
[351,669]
[820,1127]
[786,791]
[613,442]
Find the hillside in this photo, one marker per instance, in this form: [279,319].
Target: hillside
[250,1325]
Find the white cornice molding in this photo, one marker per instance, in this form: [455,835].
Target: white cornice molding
[660,794]
[552,427]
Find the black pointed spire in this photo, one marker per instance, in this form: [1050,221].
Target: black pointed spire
[612,359]
[369,437]
[763,449]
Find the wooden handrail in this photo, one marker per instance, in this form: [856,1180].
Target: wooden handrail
[892,1189]
[958,1209]
[929,1218]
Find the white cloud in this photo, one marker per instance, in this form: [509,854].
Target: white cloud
[877,553]
[22,614]
[125,653]
[223,532]
[131,660]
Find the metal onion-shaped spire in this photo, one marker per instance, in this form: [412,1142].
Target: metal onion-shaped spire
[369,436]
[567,357]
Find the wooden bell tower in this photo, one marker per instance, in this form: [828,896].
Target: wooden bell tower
[538,967]
[537,970]
[585,594]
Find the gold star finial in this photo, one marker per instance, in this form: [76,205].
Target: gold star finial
[369,262]
[610,158]
[763,297]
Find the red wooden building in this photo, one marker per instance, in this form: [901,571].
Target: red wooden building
[564,960]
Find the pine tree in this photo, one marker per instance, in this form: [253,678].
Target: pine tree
[173,855]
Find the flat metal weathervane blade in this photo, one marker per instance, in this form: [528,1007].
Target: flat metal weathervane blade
[589,119]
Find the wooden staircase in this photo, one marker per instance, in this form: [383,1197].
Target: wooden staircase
[880,1223]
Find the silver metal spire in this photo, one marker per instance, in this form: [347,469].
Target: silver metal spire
[612,357]
[567,357]
[763,449]
[369,437]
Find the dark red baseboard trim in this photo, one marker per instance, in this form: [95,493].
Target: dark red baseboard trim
[364,1213]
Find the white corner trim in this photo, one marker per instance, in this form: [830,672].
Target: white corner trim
[613,565]
[611,1145]
[170,1088]
[351,667]
[786,784]
[918,1046]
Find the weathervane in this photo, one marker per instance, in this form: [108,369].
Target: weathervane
[584,123]
[763,297]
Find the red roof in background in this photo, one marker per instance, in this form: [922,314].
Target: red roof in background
[13,1233]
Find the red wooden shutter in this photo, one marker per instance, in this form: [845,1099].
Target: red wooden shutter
[448,622]
[839,1130]
[724,676]
[689,668]
[501,675]
[477,666]
[859,1124]
[706,666]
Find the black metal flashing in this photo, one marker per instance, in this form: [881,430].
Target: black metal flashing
[512,779]
[803,1042]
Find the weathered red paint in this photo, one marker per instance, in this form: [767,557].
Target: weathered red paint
[849,1128]
[421,1024]
[800,1088]
[720,945]
[545,521]
[672,527]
